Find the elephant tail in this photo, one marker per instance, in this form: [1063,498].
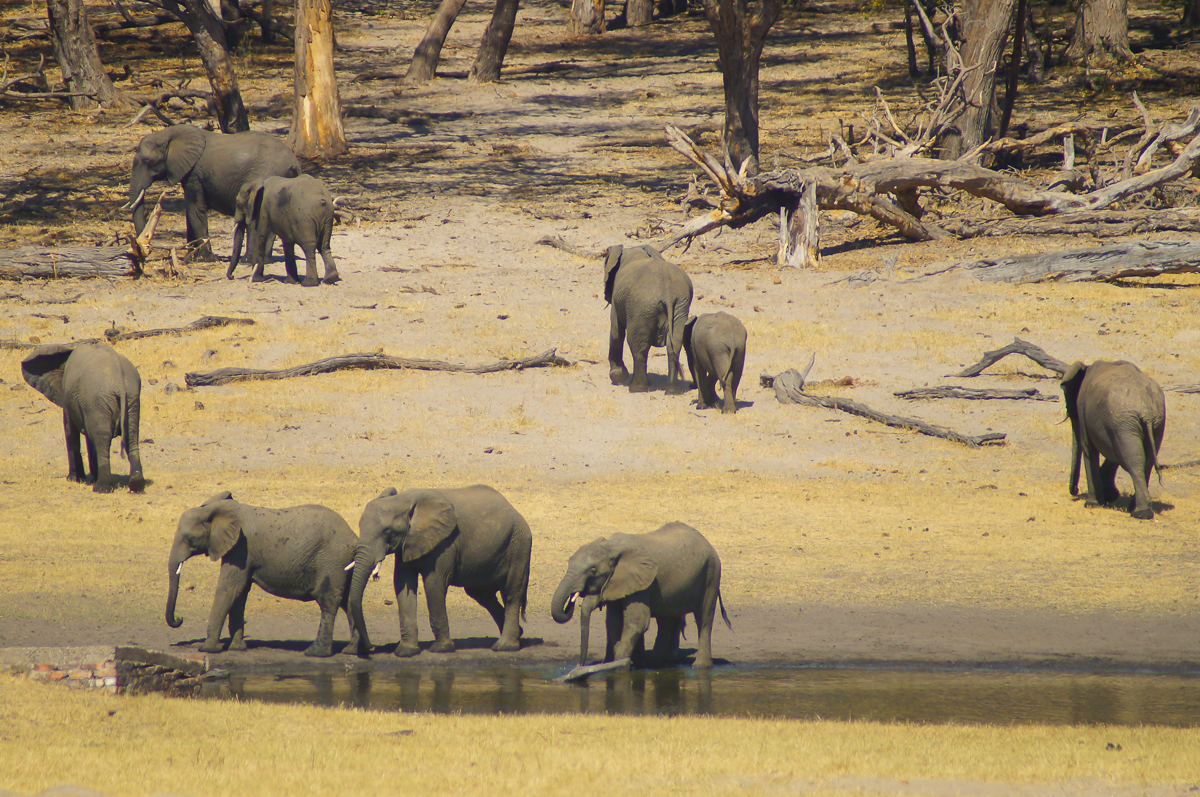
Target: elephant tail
[1151,448]
[724,616]
[123,417]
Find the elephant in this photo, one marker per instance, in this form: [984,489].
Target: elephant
[468,537]
[297,209]
[665,574]
[1118,412]
[650,299]
[212,168]
[298,553]
[100,392]
[716,351]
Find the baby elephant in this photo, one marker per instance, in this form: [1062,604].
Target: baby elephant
[716,351]
[666,574]
[298,553]
[1120,413]
[100,393]
[297,209]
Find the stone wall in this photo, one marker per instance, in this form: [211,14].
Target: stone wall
[119,670]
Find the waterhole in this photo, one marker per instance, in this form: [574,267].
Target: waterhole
[962,696]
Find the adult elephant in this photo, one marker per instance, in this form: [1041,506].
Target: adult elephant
[297,209]
[667,574]
[298,553]
[650,301]
[468,537]
[211,167]
[1119,413]
[100,392]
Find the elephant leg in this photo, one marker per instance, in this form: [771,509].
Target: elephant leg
[310,266]
[436,587]
[353,645]
[732,379]
[1106,488]
[486,597]
[99,457]
[637,620]
[331,272]
[1132,454]
[704,623]
[233,585]
[133,445]
[617,373]
[1091,469]
[614,623]
[75,471]
[196,214]
[675,384]
[666,640]
[641,355]
[405,581]
[289,263]
[237,620]
[322,646]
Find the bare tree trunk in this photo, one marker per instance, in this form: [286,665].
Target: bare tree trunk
[77,54]
[587,17]
[1191,14]
[496,36]
[317,117]
[638,12]
[209,33]
[984,25]
[429,51]
[741,28]
[268,13]
[1101,31]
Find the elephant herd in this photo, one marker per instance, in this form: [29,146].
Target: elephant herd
[472,537]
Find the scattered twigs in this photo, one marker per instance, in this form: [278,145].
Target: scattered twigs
[224,376]
[154,104]
[1097,264]
[789,389]
[954,392]
[1018,346]
[204,322]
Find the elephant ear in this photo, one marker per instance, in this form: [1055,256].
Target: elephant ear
[224,532]
[241,205]
[187,144]
[388,493]
[432,521]
[612,260]
[1070,383]
[43,370]
[634,571]
[224,495]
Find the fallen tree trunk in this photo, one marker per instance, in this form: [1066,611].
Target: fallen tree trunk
[789,389]
[1018,346]
[1101,224]
[204,322]
[224,376]
[1098,264]
[953,392]
[82,262]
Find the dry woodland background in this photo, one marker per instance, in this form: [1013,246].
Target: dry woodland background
[841,540]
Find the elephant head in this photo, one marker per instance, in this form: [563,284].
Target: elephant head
[43,370]
[1070,383]
[171,154]
[213,528]
[247,210]
[409,525]
[607,570]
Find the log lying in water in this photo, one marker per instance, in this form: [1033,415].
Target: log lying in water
[579,673]
[223,376]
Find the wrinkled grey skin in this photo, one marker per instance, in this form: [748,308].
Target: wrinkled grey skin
[211,167]
[299,553]
[1119,413]
[468,537]
[297,209]
[650,302]
[100,393]
[716,351]
[666,574]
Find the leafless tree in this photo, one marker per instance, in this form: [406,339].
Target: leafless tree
[317,116]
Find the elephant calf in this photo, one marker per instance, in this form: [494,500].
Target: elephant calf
[1118,412]
[716,351]
[298,553]
[297,209]
[100,393]
[666,574]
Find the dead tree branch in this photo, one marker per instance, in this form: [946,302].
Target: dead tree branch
[953,392]
[204,322]
[1018,346]
[1097,264]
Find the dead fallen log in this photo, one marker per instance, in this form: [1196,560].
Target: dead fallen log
[224,376]
[557,242]
[204,322]
[1100,223]
[1098,264]
[979,394]
[1018,346]
[789,389]
[581,672]
[59,262]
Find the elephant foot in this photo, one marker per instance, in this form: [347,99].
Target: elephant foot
[702,664]
[729,410]
[102,487]
[406,651]
[636,388]
[290,281]
[237,644]
[1092,504]
[676,390]
[75,477]
[331,279]
[505,646]
[319,652]
[137,484]
[444,645]
[310,282]
[258,278]
[211,647]
[1144,514]
[618,376]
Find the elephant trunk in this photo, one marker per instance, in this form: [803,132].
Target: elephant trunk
[239,232]
[585,626]
[1076,456]
[176,564]
[562,605]
[138,186]
[365,562]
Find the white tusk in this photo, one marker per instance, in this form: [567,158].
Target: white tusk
[348,567]
[135,204]
[375,572]
[571,600]
[179,569]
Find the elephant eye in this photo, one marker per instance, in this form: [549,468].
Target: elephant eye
[592,570]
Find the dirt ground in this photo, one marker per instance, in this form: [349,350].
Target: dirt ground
[842,541]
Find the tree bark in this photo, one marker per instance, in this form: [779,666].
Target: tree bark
[984,25]
[638,12]
[587,17]
[1101,32]
[1097,264]
[317,116]
[209,33]
[429,51]
[741,28]
[496,36]
[78,57]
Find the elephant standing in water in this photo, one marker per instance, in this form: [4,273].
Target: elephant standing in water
[298,553]
[297,209]
[650,301]
[716,352]
[1120,413]
[211,167]
[666,574]
[467,537]
[100,393]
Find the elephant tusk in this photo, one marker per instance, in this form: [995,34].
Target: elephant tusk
[179,568]
[348,567]
[137,203]
[375,572]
